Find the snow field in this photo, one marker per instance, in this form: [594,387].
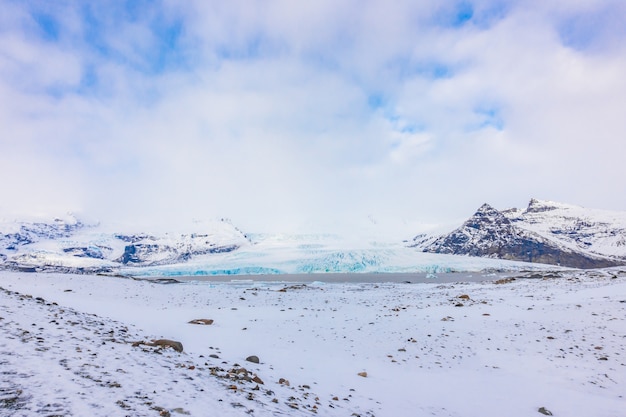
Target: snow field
[479,349]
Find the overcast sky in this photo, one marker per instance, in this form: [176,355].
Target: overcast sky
[310,115]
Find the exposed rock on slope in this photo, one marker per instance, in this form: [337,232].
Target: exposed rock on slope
[154,251]
[546,232]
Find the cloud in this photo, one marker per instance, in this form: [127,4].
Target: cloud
[315,116]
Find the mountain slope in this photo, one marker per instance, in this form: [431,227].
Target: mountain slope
[546,232]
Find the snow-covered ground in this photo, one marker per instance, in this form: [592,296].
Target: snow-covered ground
[463,349]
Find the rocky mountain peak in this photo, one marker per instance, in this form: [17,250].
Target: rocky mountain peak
[538,206]
[485,216]
[546,232]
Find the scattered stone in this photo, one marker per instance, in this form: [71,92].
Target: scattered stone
[464,297]
[458,305]
[162,411]
[283,381]
[258,380]
[544,411]
[363,374]
[162,343]
[253,359]
[204,322]
[504,281]
[165,343]
[214,356]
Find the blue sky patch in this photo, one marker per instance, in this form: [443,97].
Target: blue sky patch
[48,25]
[407,69]
[376,101]
[593,30]
[489,117]
[464,13]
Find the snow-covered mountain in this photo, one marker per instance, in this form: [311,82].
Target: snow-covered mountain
[510,240]
[545,232]
[70,245]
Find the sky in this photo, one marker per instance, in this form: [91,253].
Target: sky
[319,116]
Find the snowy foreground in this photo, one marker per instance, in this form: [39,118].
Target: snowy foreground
[67,347]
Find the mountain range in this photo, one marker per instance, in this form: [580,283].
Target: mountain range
[544,233]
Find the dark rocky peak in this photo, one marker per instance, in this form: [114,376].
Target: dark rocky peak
[134,238]
[486,216]
[536,206]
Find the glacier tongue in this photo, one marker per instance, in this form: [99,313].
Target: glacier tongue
[316,255]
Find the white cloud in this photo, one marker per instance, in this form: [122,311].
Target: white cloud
[268,116]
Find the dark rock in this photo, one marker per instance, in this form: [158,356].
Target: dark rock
[94,252]
[544,411]
[204,322]
[253,359]
[177,346]
[162,343]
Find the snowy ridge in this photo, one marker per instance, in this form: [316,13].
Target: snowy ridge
[598,232]
[545,232]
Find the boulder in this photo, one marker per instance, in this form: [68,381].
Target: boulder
[204,322]
[162,343]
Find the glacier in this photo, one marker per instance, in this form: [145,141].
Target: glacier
[294,254]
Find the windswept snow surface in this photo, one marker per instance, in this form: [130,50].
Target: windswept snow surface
[462,349]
